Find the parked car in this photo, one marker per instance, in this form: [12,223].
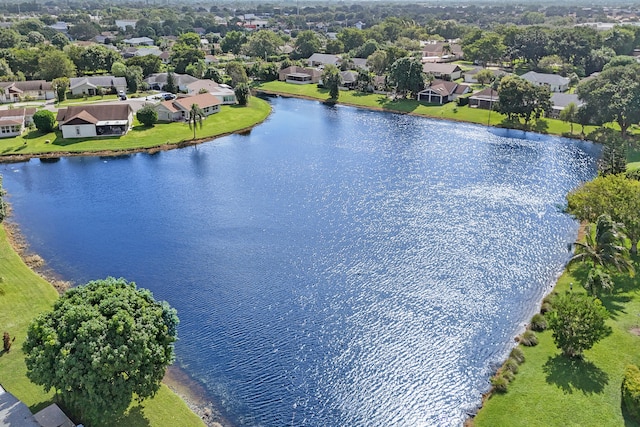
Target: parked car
[168,96]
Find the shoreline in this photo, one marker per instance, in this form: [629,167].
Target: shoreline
[192,393]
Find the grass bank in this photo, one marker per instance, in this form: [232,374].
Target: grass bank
[551,390]
[161,136]
[449,111]
[23,295]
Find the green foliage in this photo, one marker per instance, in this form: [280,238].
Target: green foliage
[196,115]
[236,71]
[511,365]
[307,43]
[243,93]
[55,64]
[485,76]
[170,86]
[118,69]
[500,383]
[529,338]
[147,115]
[149,63]
[233,41]
[488,48]
[407,76]
[60,86]
[569,114]
[102,343]
[538,322]
[598,281]
[331,80]
[134,78]
[578,322]
[631,391]
[44,120]
[520,99]
[262,44]
[517,354]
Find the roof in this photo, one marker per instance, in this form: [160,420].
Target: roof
[203,100]
[324,58]
[85,114]
[550,79]
[14,413]
[436,49]
[180,79]
[349,76]
[561,100]
[31,85]
[52,416]
[434,67]
[487,94]
[360,62]
[442,87]
[169,106]
[15,116]
[138,40]
[294,69]
[104,81]
[209,85]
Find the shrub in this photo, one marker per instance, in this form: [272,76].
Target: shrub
[147,115]
[44,120]
[499,383]
[631,391]
[529,338]
[545,307]
[517,354]
[510,365]
[538,322]
[243,93]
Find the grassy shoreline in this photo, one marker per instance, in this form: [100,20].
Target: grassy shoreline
[23,295]
[164,136]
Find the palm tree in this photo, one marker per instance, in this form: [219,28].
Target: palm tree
[603,247]
[195,117]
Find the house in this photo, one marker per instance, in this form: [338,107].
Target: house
[157,81]
[144,51]
[485,99]
[178,109]
[139,41]
[360,63]
[165,56]
[299,75]
[84,121]
[560,100]
[442,71]
[124,23]
[223,92]
[210,59]
[89,85]
[470,76]
[442,91]
[27,90]
[14,121]
[348,79]
[13,412]
[321,59]
[555,82]
[442,52]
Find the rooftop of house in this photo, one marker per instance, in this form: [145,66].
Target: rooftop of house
[551,79]
[93,113]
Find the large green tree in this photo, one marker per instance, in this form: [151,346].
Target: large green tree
[578,322]
[615,195]
[149,63]
[614,95]
[262,44]
[521,99]
[307,43]
[406,76]
[331,81]
[196,115]
[233,41]
[102,344]
[488,48]
[60,87]
[54,64]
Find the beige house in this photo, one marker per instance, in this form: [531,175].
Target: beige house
[299,75]
[21,91]
[442,91]
[442,71]
[223,92]
[14,121]
[89,85]
[84,121]
[178,109]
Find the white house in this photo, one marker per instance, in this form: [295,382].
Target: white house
[178,109]
[223,92]
[555,82]
[14,121]
[442,91]
[318,59]
[124,23]
[158,80]
[21,91]
[89,85]
[83,121]
[443,71]
[139,41]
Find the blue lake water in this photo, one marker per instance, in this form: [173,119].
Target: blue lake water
[334,267]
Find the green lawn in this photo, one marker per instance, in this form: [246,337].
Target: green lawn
[448,111]
[23,295]
[229,119]
[550,390]
[633,159]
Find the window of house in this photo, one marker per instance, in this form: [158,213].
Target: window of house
[78,130]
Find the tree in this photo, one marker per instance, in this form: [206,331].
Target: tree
[620,87]
[307,43]
[262,44]
[233,41]
[190,39]
[365,80]
[84,30]
[485,76]
[149,63]
[5,71]
[334,46]
[60,86]
[59,40]
[195,117]
[102,343]
[577,322]
[377,62]
[568,114]
[331,80]
[615,195]
[183,55]
[54,64]
[598,281]
[118,69]
[242,93]
[351,38]
[235,70]
[8,38]
[134,78]
[170,86]
[603,247]
[520,99]
[196,69]
[488,48]
[44,120]
[407,76]
[147,115]
[35,38]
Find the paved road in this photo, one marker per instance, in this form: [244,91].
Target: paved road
[136,103]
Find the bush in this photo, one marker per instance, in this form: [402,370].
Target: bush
[631,391]
[510,365]
[499,383]
[517,354]
[243,93]
[44,121]
[529,338]
[147,115]
[538,322]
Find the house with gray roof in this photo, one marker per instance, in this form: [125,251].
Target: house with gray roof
[14,413]
[89,85]
[555,82]
[158,80]
[82,121]
[26,90]
[442,70]
[321,59]
[14,121]
[442,91]
[559,102]
[299,75]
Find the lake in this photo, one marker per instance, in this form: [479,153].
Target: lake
[333,267]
